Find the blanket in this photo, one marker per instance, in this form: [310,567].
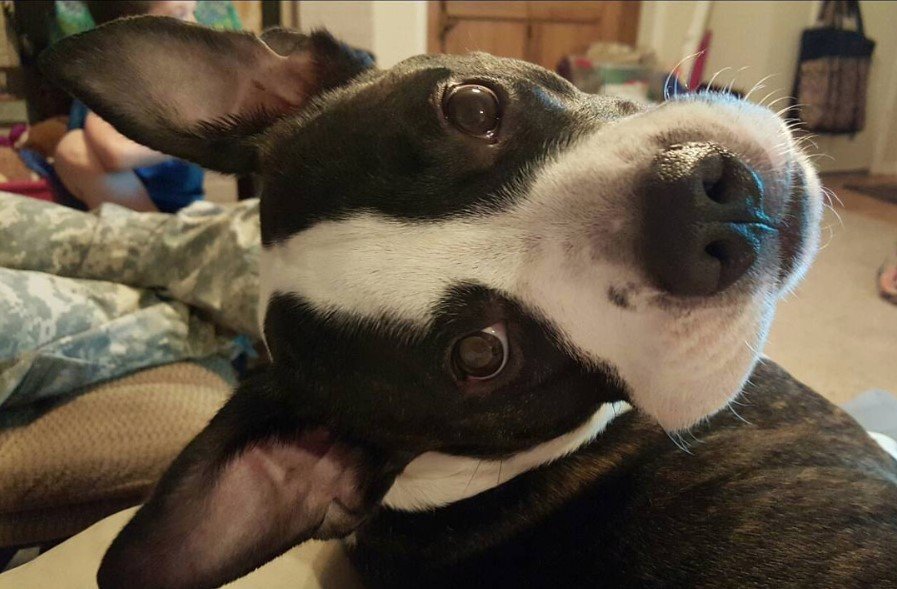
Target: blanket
[85,297]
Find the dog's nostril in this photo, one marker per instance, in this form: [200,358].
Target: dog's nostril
[716,191]
[718,250]
[735,255]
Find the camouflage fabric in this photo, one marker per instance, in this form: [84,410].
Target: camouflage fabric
[85,297]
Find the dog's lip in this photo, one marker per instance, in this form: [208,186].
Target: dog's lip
[793,230]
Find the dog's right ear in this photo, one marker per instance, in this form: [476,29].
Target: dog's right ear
[196,93]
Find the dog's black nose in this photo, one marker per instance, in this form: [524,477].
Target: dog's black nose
[704,220]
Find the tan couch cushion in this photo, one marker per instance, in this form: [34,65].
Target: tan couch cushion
[65,466]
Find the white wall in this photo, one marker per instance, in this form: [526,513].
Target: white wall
[764,37]
[400,31]
[392,30]
[351,22]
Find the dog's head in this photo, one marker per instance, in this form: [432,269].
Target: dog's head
[463,255]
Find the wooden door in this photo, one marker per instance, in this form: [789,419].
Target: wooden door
[549,42]
[541,32]
[499,37]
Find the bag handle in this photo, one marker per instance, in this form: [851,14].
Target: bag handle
[833,12]
[853,9]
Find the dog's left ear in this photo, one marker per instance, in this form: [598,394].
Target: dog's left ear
[196,93]
[254,483]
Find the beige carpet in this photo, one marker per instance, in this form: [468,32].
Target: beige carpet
[835,333]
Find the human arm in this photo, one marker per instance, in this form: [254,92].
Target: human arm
[115,151]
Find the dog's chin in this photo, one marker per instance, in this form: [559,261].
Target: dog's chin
[700,362]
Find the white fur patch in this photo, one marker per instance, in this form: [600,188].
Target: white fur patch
[433,479]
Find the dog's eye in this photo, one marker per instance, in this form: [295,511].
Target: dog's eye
[483,354]
[473,109]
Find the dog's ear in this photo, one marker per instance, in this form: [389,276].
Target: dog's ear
[251,485]
[193,92]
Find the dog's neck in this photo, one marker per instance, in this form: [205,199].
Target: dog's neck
[434,480]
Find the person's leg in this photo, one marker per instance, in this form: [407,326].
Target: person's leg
[84,175]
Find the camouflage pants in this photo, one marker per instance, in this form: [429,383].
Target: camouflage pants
[85,297]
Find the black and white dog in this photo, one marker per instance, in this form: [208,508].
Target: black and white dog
[471,271]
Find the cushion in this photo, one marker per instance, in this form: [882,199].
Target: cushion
[68,464]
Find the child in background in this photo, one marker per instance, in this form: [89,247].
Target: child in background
[98,164]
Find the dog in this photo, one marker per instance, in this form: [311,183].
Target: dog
[494,307]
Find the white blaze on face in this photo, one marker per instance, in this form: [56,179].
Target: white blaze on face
[558,249]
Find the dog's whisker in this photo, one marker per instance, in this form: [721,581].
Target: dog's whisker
[678,442]
[783,110]
[830,207]
[765,98]
[834,196]
[737,402]
[731,83]
[754,89]
[777,100]
[831,237]
[836,214]
[800,141]
[740,418]
[673,71]
[473,476]
[718,72]
[758,86]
